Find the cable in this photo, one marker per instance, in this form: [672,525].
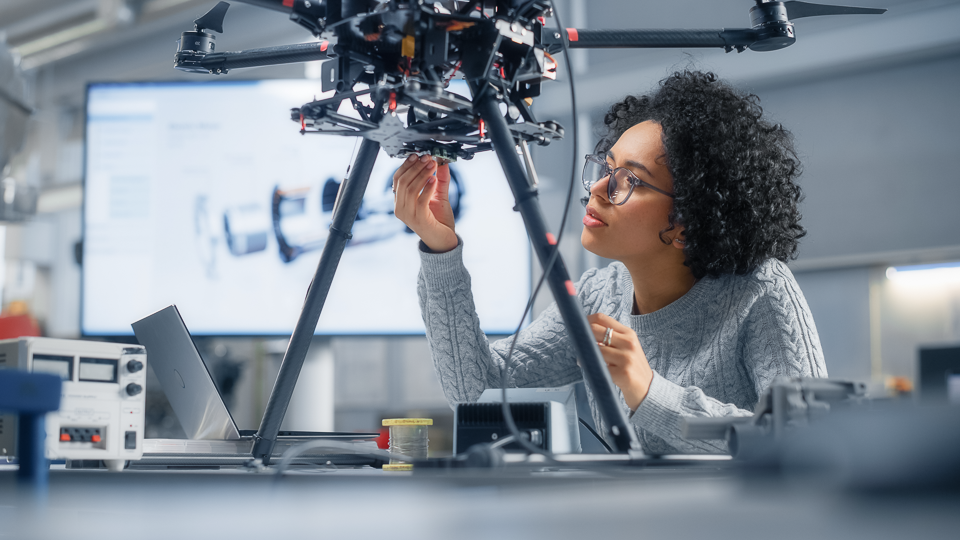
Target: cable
[295,451]
[507,414]
[595,434]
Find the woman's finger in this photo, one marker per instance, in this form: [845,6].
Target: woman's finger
[600,331]
[415,185]
[614,357]
[404,167]
[429,191]
[412,175]
[408,173]
[619,334]
[409,188]
[608,321]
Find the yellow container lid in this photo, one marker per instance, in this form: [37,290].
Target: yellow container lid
[398,467]
[408,422]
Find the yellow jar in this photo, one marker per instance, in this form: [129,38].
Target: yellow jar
[408,437]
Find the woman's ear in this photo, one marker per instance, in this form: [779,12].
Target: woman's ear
[678,241]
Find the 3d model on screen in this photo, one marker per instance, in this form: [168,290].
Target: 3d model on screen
[301,215]
[297,218]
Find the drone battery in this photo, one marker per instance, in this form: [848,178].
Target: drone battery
[101,414]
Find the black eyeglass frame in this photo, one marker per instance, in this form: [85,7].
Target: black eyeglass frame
[611,186]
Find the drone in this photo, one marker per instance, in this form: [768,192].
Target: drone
[402,56]
[389,65]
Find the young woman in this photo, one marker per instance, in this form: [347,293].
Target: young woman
[692,192]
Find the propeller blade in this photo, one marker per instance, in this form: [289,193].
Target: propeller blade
[799,10]
[213,19]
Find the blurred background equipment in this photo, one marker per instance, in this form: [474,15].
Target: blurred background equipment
[939,374]
[101,415]
[16,321]
[788,403]
[18,200]
[880,447]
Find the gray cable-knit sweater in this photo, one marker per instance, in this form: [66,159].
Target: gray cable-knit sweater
[713,351]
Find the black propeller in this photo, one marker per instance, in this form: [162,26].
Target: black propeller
[799,10]
[771,26]
[213,19]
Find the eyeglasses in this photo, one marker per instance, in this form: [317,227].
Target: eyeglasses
[621,183]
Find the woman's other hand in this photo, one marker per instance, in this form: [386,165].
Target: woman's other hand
[421,189]
[625,358]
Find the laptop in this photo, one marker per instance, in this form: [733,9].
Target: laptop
[197,402]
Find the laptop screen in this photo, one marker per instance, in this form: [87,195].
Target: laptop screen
[184,377]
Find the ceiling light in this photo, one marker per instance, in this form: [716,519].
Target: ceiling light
[937,273]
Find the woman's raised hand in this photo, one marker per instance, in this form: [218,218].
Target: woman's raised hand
[421,189]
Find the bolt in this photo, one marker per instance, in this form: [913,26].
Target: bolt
[615,430]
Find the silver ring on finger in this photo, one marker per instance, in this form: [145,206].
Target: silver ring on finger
[606,337]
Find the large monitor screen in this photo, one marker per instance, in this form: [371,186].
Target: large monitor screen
[206,195]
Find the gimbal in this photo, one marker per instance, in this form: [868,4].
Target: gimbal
[390,62]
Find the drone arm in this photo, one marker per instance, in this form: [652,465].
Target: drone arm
[651,39]
[267,56]
[275,5]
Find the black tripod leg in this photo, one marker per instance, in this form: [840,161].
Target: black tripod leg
[561,286]
[344,214]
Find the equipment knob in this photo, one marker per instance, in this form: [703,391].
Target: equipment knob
[134,389]
[134,366]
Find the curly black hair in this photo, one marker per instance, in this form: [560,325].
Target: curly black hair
[733,172]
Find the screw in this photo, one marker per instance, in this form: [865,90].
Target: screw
[307,4]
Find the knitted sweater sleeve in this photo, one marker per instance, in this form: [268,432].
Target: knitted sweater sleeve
[776,338]
[465,362]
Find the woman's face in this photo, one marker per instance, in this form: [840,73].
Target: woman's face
[631,232]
